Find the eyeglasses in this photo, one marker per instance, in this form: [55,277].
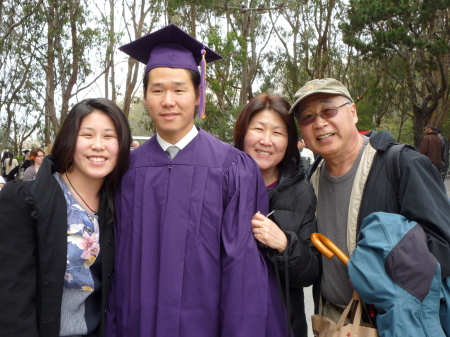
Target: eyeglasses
[309,118]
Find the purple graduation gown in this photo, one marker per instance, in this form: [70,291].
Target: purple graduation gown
[187,263]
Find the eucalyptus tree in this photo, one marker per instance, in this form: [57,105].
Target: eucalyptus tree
[17,71]
[69,51]
[416,32]
[308,45]
[111,19]
[241,23]
[140,17]
[24,124]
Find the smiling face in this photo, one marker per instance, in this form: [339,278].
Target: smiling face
[266,140]
[332,137]
[97,147]
[171,100]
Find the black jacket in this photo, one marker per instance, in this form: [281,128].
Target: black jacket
[33,251]
[294,203]
[422,196]
[26,164]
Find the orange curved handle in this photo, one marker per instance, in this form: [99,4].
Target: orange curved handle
[327,247]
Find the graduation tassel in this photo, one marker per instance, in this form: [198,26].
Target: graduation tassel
[201,110]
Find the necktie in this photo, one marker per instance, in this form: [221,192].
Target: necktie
[172,151]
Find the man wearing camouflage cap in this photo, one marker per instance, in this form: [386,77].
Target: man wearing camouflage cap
[351,181]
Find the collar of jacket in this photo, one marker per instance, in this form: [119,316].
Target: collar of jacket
[378,142]
[44,179]
[41,185]
[290,172]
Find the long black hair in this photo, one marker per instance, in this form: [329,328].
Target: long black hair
[66,140]
[11,157]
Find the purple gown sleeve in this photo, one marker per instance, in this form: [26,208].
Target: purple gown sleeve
[245,284]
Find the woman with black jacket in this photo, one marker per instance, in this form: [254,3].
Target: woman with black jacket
[17,172]
[56,242]
[266,131]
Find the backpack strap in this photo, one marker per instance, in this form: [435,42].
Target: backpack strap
[393,168]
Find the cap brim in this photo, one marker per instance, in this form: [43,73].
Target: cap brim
[331,92]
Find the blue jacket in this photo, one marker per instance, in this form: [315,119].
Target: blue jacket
[393,269]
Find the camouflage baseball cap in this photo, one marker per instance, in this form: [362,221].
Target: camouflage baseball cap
[323,86]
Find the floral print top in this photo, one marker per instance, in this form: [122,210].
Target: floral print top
[83,245]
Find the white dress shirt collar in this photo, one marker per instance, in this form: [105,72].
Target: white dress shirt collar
[182,143]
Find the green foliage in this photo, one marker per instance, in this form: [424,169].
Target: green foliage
[445,129]
[139,120]
[412,33]
[366,111]
[377,26]
[219,123]
[390,59]
[393,123]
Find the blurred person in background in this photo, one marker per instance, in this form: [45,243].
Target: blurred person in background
[306,155]
[10,163]
[36,157]
[18,172]
[134,145]
[431,145]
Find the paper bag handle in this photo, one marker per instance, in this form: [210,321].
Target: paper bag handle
[356,321]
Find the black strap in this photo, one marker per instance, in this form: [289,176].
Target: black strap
[277,274]
[393,168]
[288,295]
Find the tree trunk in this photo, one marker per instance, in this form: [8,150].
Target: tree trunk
[418,127]
[67,93]
[49,69]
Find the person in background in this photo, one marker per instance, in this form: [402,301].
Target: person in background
[431,146]
[10,163]
[134,145]
[351,181]
[36,158]
[2,182]
[306,155]
[18,172]
[57,282]
[186,260]
[265,130]
[443,168]
[2,165]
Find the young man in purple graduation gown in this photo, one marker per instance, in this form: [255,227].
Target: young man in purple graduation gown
[186,260]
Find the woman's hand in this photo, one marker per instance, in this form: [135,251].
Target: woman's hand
[267,232]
